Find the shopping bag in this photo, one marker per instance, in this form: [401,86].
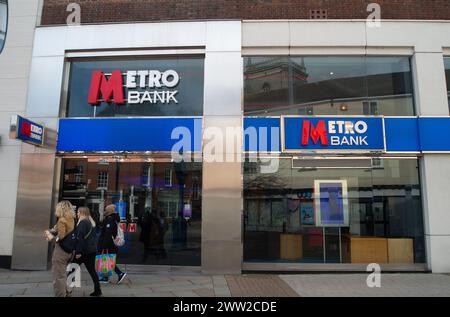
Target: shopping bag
[105,264]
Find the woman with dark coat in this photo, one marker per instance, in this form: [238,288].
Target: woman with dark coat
[86,247]
[106,240]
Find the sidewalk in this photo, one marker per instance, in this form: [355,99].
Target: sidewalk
[39,284]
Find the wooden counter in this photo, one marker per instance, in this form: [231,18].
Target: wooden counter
[291,246]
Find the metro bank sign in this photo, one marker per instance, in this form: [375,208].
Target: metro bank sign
[143,86]
[333,133]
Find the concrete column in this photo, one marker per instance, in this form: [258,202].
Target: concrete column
[431,100]
[222,171]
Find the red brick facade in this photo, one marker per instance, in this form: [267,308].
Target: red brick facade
[110,11]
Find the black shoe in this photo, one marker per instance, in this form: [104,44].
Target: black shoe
[96,293]
[104,280]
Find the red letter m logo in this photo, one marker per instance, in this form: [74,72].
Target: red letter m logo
[317,132]
[111,90]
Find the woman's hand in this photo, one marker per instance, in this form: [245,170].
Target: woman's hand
[48,236]
[77,256]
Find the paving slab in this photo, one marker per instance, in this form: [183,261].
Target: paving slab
[258,286]
[185,294]
[355,285]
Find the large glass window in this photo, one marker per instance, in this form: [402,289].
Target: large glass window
[447,77]
[328,86]
[3,22]
[183,99]
[294,215]
[162,224]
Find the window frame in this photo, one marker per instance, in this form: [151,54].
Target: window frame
[99,173]
[6,24]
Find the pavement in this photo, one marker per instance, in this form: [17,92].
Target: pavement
[161,284]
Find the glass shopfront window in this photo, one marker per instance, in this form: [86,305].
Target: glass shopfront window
[330,211]
[162,223]
[149,95]
[328,86]
[447,77]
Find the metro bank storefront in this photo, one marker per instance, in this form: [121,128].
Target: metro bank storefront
[223,155]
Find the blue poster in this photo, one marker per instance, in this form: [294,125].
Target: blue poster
[121,207]
[331,203]
[307,214]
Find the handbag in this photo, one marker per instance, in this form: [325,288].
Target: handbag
[69,242]
[119,240]
[105,264]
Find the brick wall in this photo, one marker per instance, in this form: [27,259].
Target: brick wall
[103,11]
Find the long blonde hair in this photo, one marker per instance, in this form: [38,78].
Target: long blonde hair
[85,212]
[64,209]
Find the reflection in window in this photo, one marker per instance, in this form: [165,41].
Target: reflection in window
[167,219]
[168,177]
[328,86]
[102,180]
[447,77]
[383,208]
[79,174]
[3,22]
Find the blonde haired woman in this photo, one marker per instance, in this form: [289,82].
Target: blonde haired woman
[86,248]
[64,225]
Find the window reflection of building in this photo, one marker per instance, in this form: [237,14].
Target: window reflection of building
[384,202]
[269,80]
[102,180]
[142,183]
[327,85]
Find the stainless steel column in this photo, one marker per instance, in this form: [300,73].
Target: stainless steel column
[35,197]
[222,179]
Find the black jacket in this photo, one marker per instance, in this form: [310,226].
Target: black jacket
[108,233]
[86,238]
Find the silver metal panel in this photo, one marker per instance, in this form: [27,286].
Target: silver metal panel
[222,181]
[134,35]
[265,34]
[46,77]
[332,163]
[222,217]
[223,36]
[223,83]
[33,210]
[221,257]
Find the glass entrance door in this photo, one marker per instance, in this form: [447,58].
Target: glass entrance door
[159,203]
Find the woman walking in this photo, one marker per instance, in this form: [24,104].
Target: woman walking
[86,249]
[64,226]
[107,235]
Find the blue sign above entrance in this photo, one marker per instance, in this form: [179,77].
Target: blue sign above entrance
[129,134]
[333,133]
[388,134]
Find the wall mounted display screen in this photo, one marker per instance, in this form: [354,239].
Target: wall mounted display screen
[331,203]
